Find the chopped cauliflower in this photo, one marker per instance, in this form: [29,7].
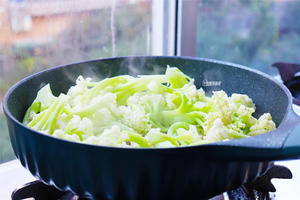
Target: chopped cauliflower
[109,137]
[61,134]
[159,111]
[264,124]
[217,132]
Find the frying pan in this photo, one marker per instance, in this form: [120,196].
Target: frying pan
[154,173]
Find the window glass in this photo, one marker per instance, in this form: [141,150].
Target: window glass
[255,33]
[38,34]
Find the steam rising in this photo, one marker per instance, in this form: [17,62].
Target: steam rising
[112,27]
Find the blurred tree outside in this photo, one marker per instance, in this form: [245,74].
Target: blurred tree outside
[255,33]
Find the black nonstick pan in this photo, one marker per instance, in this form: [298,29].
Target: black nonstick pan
[194,172]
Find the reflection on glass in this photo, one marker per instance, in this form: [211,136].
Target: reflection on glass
[254,33]
[37,34]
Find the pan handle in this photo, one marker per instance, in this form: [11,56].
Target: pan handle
[291,146]
[287,70]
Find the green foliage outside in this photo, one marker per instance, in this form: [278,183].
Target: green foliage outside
[255,33]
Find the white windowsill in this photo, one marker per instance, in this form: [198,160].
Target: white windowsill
[12,175]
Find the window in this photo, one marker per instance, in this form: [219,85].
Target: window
[255,33]
[38,34]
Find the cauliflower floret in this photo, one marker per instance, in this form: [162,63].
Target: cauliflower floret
[102,116]
[192,131]
[190,90]
[186,137]
[242,99]
[245,111]
[75,92]
[79,88]
[105,100]
[209,120]
[263,125]
[201,95]
[151,135]
[220,104]
[220,132]
[135,116]
[76,125]
[62,120]
[86,126]
[217,132]
[243,117]
[155,136]
[61,134]
[109,137]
